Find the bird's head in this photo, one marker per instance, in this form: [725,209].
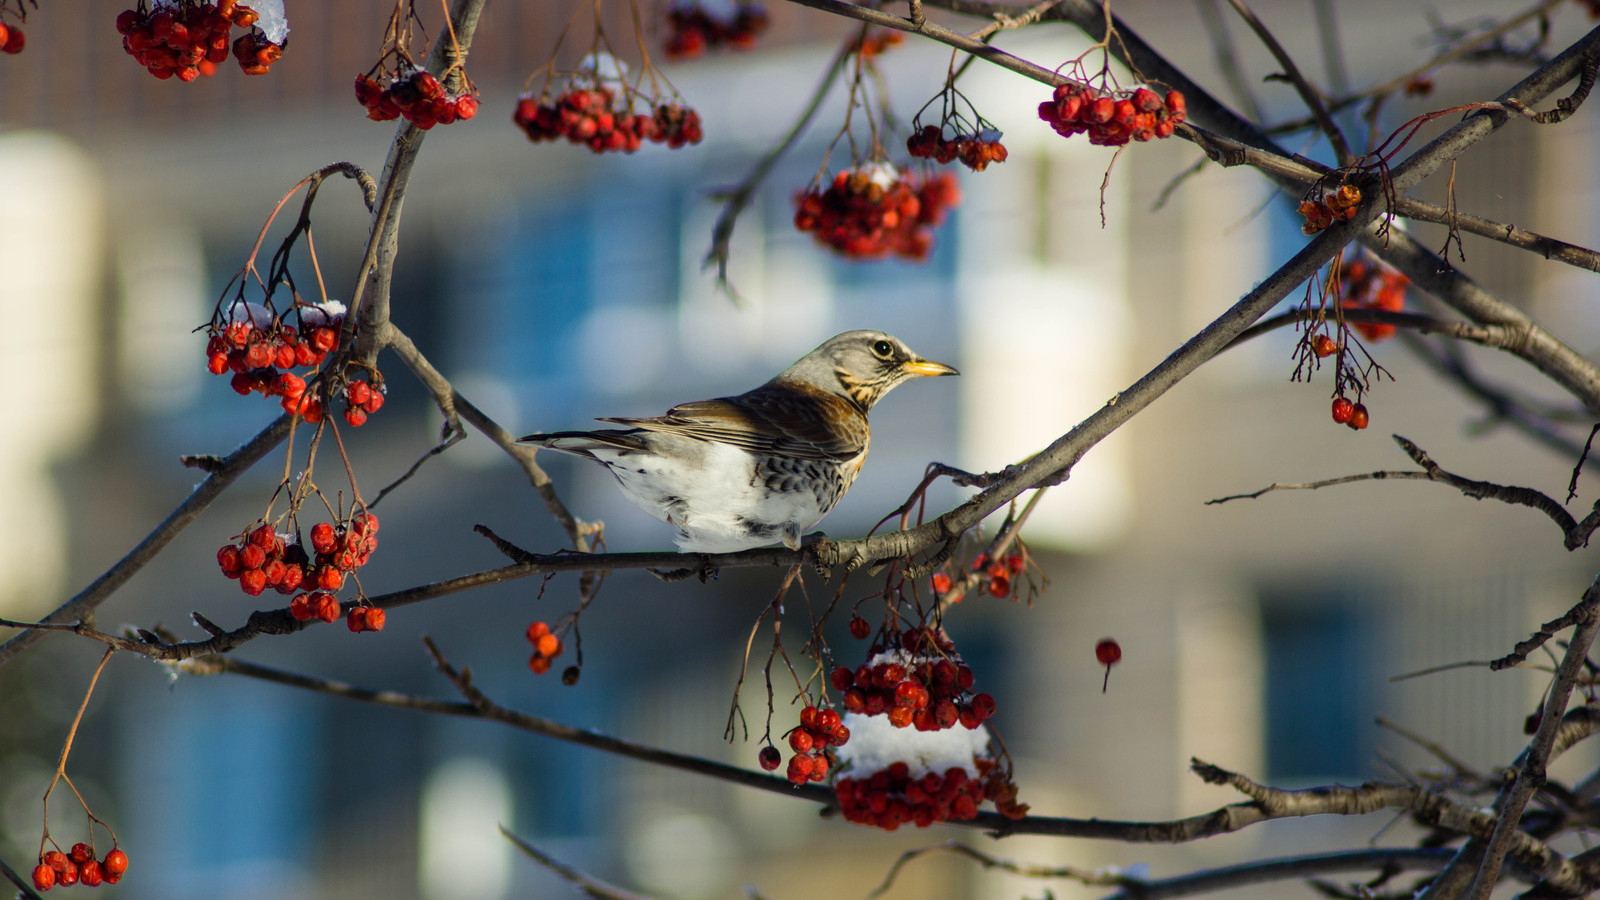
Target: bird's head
[862,365]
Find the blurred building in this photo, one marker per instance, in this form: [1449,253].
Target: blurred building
[553,286]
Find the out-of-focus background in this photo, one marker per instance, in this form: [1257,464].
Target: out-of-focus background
[553,286]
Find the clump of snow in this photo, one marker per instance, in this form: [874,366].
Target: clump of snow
[316,315]
[253,314]
[881,174]
[989,134]
[875,744]
[274,21]
[604,66]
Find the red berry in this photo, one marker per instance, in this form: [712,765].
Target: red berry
[1108,652]
[116,862]
[770,758]
[14,41]
[44,877]
[1358,417]
[253,581]
[539,664]
[375,618]
[91,874]
[941,582]
[537,630]
[859,629]
[228,559]
[1343,410]
[68,874]
[1324,346]
[548,645]
[800,766]
[800,740]
[300,608]
[842,678]
[1000,585]
[356,621]
[325,607]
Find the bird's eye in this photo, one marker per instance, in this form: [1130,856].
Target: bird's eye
[883,349]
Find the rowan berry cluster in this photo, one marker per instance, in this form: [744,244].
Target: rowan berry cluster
[1372,286]
[12,40]
[693,30]
[1113,118]
[340,549]
[819,729]
[999,572]
[546,647]
[975,150]
[890,797]
[262,558]
[1347,413]
[187,39]
[873,211]
[932,771]
[416,96]
[1327,207]
[912,689]
[79,867]
[260,348]
[594,117]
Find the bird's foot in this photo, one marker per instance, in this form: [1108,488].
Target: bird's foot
[705,570]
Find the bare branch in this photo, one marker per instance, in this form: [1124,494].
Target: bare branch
[590,885]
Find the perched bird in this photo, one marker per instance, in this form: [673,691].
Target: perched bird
[746,471]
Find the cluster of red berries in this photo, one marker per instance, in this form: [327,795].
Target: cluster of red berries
[1336,205]
[926,695]
[585,115]
[1369,286]
[975,150]
[362,398]
[79,867]
[188,39]
[546,647]
[340,549]
[259,348]
[1113,118]
[263,559]
[819,729]
[890,797]
[692,30]
[12,40]
[415,95]
[871,212]
[1348,413]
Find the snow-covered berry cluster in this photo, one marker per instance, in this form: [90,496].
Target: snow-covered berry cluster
[592,116]
[914,688]
[873,211]
[692,29]
[260,348]
[79,867]
[975,150]
[187,39]
[415,95]
[1329,206]
[940,767]
[1112,118]
[1373,286]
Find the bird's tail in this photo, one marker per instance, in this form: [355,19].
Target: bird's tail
[584,443]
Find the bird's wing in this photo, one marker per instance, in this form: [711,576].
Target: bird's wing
[771,420]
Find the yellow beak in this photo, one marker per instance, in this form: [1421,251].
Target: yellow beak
[924,368]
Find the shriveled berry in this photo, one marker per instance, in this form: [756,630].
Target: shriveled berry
[44,877]
[1358,417]
[770,758]
[1343,410]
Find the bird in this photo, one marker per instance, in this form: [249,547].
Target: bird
[735,473]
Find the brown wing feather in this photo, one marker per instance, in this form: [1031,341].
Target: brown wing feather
[788,421]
